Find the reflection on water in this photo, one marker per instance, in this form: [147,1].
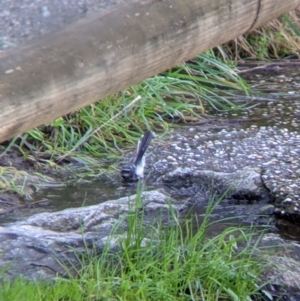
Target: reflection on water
[274,100]
[83,194]
[56,199]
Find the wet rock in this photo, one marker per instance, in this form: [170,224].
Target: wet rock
[26,183]
[20,179]
[284,186]
[241,184]
[289,230]
[282,267]
[262,159]
[267,209]
[39,247]
[35,247]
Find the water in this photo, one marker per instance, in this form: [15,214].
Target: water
[279,107]
[276,100]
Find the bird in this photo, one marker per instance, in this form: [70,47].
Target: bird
[134,170]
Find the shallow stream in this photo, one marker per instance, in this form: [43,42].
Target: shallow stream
[275,102]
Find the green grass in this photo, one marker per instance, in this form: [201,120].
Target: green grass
[156,263]
[95,137]
[24,183]
[177,96]
[180,95]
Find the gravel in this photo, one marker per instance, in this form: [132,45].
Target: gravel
[273,150]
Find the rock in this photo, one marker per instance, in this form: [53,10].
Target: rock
[241,184]
[267,209]
[40,246]
[34,247]
[268,155]
[282,267]
[25,183]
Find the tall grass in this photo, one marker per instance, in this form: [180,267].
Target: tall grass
[155,262]
[179,95]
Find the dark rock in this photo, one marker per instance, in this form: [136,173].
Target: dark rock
[241,184]
[282,267]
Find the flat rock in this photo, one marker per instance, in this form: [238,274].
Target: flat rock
[267,158]
[240,184]
[34,247]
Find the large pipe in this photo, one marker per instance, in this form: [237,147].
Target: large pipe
[110,51]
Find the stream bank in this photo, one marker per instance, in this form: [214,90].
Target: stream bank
[252,156]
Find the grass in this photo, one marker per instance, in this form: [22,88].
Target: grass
[156,263]
[24,183]
[176,96]
[180,95]
[279,38]
[93,138]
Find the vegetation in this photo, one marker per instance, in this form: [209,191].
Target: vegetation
[178,95]
[24,183]
[155,263]
[280,38]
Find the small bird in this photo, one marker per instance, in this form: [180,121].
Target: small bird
[134,170]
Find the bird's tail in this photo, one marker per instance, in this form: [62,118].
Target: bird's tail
[142,146]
